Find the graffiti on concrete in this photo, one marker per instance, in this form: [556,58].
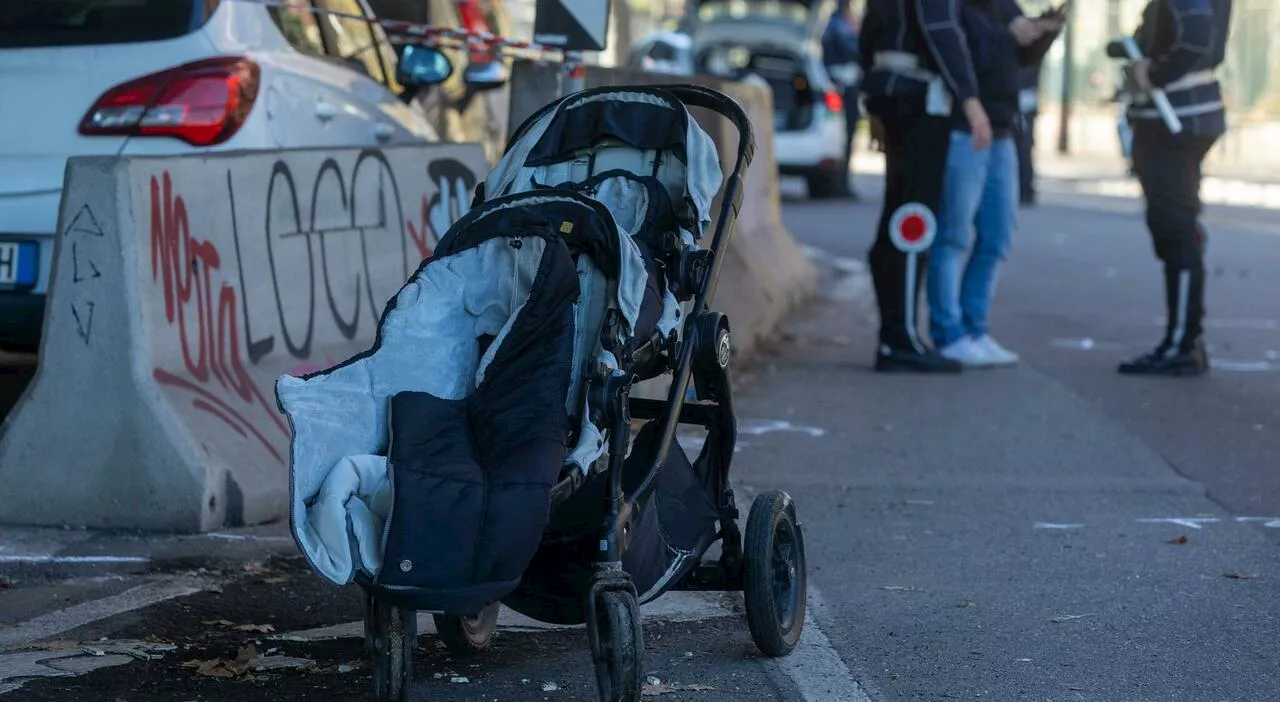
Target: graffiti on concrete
[83,233]
[317,271]
[208,328]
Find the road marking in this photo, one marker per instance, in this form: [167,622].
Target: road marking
[1268,522]
[1214,323]
[1086,344]
[1239,366]
[759,427]
[671,607]
[144,595]
[1188,522]
[1052,526]
[74,559]
[814,666]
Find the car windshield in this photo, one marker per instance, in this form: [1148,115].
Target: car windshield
[32,23]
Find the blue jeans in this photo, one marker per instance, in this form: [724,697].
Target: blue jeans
[979,193]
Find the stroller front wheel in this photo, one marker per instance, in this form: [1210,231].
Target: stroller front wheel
[465,636]
[617,661]
[395,633]
[774,582]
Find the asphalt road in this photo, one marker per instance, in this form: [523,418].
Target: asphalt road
[1047,532]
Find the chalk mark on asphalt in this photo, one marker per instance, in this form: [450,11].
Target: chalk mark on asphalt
[1188,522]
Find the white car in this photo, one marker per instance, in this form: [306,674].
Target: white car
[160,77]
[779,41]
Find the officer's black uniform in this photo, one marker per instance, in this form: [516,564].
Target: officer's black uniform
[1186,41]
[911,50]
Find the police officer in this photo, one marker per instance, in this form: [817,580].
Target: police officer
[1184,41]
[916,62]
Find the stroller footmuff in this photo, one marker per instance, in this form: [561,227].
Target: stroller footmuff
[482,452]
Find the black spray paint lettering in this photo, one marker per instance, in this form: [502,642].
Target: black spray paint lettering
[348,221]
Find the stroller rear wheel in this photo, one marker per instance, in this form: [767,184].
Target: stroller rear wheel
[620,642]
[465,636]
[774,574]
[395,633]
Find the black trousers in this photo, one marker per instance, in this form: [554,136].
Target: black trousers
[1169,168]
[1026,140]
[915,163]
[851,117]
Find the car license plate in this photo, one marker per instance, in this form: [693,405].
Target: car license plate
[18,264]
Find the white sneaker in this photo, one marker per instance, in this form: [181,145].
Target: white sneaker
[997,354]
[966,353]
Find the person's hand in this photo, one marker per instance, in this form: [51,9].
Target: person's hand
[1140,74]
[979,125]
[1025,31]
[877,134]
[1051,24]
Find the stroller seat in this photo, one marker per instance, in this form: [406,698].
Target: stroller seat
[481,450]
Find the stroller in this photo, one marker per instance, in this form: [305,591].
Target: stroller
[481,452]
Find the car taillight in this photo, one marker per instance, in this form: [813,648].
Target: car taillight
[835,103]
[202,103]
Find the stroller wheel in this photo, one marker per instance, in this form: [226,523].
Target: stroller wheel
[620,643]
[395,633]
[774,574]
[465,636]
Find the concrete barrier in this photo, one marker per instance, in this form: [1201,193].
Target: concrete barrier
[766,274]
[182,287]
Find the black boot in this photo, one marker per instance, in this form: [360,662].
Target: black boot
[1182,351]
[909,360]
[1168,360]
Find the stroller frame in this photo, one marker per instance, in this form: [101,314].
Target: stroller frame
[767,566]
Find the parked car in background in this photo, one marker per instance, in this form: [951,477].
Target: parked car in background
[468,106]
[779,41]
[164,77]
[663,51]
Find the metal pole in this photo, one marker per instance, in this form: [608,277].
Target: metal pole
[575,72]
[1064,119]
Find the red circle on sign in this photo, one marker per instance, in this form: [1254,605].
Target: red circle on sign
[913,228]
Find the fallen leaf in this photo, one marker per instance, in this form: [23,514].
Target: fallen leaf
[550,687]
[698,688]
[1234,575]
[1178,540]
[259,628]
[902,588]
[1068,617]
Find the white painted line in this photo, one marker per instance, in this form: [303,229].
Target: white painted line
[760,427]
[245,537]
[1268,522]
[1085,344]
[671,607]
[1237,366]
[70,618]
[1214,323]
[1188,522]
[814,666]
[74,559]
[1052,526]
